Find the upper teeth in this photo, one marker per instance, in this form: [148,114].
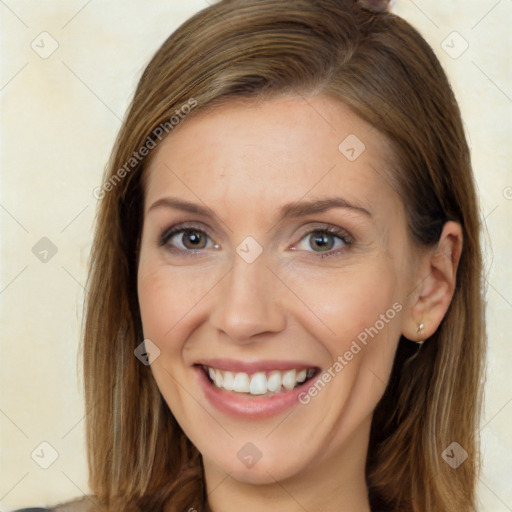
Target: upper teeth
[259,383]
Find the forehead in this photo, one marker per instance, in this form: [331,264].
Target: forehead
[256,154]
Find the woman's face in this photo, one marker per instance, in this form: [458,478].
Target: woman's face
[274,249]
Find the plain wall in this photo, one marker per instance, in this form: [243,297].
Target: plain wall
[60,114]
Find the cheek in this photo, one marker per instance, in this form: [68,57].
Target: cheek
[360,305]
[171,299]
[161,305]
[349,299]
[158,304]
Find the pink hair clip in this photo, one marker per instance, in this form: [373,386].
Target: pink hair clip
[376,5]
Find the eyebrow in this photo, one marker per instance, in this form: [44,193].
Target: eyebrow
[289,210]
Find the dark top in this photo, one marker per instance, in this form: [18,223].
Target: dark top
[33,510]
[78,505]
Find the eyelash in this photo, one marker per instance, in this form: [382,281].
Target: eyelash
[342,234]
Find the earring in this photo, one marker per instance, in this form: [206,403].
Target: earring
[421,326]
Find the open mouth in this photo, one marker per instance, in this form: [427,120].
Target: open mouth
[261,384]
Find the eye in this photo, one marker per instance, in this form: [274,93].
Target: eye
[186,239]
[326,241]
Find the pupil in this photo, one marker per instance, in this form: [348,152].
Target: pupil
[192,239]
[323,241]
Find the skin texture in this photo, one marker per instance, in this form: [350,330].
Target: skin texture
[244,161]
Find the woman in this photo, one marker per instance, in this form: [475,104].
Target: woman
[289,221]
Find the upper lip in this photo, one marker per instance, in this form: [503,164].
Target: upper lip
[253,366]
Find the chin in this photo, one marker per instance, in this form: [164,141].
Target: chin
[263,472]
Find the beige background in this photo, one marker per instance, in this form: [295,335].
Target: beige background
[60,114]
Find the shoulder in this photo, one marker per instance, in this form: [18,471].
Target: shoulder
[81,505]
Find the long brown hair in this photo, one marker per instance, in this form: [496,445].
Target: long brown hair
[381,67]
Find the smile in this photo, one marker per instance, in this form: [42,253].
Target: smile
[257,390]
[260,383]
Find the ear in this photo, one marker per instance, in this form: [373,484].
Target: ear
[434,284]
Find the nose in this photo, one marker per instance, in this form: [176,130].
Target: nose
[248,302]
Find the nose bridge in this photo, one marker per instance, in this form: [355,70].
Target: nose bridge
[247,301]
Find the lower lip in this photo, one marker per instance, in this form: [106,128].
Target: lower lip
[240,406]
